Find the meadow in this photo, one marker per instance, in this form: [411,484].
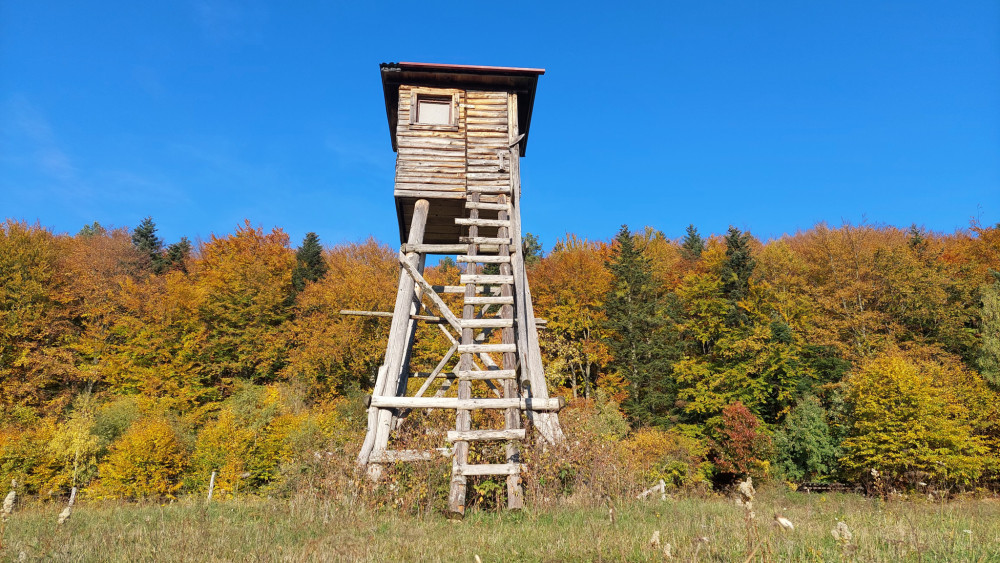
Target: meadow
[697,528]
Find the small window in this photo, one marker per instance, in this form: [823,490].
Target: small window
[434,110]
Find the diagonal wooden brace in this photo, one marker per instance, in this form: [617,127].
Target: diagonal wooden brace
[429,291]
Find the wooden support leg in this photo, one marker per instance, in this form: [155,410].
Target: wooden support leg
[411,334]
[387,383]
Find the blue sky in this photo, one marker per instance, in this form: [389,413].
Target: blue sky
[770,116]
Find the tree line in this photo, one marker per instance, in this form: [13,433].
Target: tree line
[822,355]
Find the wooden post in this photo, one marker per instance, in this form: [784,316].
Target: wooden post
[411,326]
[527,333]
[387,382]
[211,487]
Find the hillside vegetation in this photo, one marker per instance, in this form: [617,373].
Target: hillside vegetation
[864,354]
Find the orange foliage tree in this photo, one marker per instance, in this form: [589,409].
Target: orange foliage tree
[330,351]
[243,291]
[568,290]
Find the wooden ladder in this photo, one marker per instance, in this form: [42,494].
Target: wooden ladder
[473,281]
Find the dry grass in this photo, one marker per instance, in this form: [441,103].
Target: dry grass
[306,529]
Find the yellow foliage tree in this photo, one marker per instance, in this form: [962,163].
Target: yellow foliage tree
[908,427]
[147,461]
[37,368]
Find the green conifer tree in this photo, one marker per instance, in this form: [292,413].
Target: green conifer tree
[144,239]
[805,446]
[692,245]
[531,248]
[92,229]
[309,262]
[640,346]
[447,263]
[177,254]
[917,239]
[736,272]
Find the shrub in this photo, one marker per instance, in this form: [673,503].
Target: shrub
[147,461]
[805,447]
[740,446]
[607,421]
[23,451]
[591,465]
[114,419]
[670,455]
[264,438]
[71,459]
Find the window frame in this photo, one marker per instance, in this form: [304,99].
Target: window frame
[417,93]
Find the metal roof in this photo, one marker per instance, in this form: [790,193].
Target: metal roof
[430,67]
[523,81]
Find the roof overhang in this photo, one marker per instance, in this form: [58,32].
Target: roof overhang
[522,81]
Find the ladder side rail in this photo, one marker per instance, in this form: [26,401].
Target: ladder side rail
[512,416]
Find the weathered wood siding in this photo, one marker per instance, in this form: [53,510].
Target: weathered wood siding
[486,116]
[429,160]
[438,163]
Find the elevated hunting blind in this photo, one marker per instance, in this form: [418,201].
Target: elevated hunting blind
[459,133]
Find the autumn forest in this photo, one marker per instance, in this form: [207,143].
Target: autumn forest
[869,355]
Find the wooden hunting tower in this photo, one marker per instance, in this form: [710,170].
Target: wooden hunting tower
[459,133]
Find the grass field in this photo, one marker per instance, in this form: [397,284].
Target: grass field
[697,529]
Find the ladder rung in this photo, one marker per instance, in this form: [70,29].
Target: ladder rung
[484,240]
[488,374]
[483,435]
[489,469]
[525,404]
[423,374]
[487,206]
[483,222]
[487,259]
[455,288]
[488,189]
[486,323]
[487,348]
[447,248]
[498,279]
[397,456]
[491,300]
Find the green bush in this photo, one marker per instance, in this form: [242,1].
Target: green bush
[805,448]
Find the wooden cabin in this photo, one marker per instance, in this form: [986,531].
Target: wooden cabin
[450,128]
